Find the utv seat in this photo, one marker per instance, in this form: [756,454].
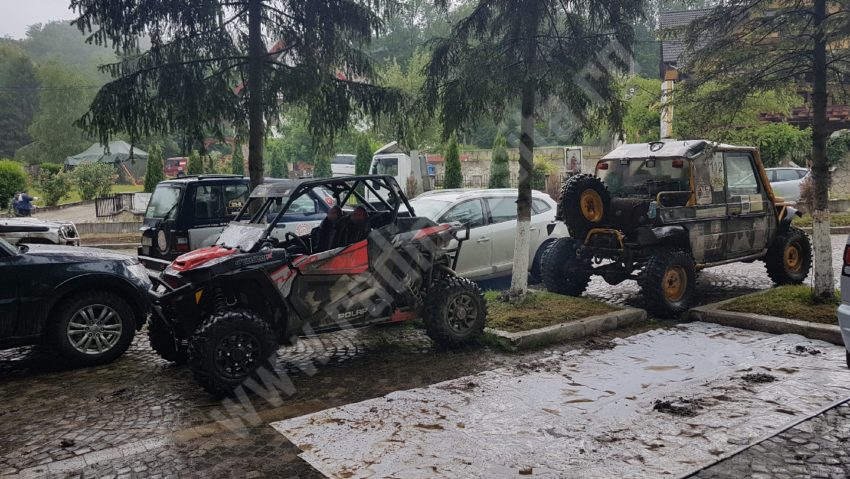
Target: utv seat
[323,236]
[354,227]
[379,220]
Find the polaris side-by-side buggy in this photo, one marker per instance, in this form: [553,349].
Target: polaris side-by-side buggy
[226,308]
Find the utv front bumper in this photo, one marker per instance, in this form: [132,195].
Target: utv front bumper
[176,306]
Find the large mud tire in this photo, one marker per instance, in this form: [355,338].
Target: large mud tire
[668,283]
[789,258]
[558,269]
[91,316]
[229,348]
[455,312]
[583,205]
[164,343]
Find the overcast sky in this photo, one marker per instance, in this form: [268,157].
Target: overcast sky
[17,15]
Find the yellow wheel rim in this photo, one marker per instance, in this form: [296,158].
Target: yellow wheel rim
[793,259]
[675,283]
[591,206]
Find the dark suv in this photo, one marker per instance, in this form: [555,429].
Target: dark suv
[188,213]
[84,304]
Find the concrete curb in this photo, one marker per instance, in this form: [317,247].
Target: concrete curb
[834,230]
[578,329]
[712,313]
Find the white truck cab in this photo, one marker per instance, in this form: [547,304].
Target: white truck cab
[408,168]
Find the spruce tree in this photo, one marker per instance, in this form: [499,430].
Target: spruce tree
[454,175]
[500,168]
[312,53]
[153,172]
[237,161]
[195,164]
[364,156]
[568,56]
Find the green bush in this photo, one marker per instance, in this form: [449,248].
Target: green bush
[542,169]
[54,186]
[776,142]
[153,171]
[500,169]
[837,148]
[454,175]
[93,179]
[323,167]
[13,179]
[53,168]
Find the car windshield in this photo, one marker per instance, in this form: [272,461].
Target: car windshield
[306,205]
[8,248]
[163,203]
[642,177]
[429,207]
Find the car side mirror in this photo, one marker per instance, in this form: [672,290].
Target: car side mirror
[462,235]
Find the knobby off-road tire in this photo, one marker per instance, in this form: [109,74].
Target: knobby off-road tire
[229,348]
[162,341]
[583,205]
[535,274]
[558,267]
[668,282]
[789,258]
[91,319]
[455,312]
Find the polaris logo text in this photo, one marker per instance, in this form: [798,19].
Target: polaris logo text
[352,314]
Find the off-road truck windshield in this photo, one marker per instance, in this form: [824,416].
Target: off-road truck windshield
[644,177]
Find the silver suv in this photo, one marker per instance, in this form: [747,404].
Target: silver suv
[491,215]
[37,231]
[844,308]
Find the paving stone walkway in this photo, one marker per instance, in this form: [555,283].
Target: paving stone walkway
[818,448]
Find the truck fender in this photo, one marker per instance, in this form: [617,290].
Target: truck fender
[675,234]
[790,214]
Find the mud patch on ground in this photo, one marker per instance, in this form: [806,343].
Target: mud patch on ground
[467,386]
[800,349]
[596,344]
[538,365]
[758,378]
[682,407]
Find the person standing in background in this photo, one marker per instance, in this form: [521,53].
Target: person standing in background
[23,204]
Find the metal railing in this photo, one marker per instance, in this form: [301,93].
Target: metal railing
[112,205]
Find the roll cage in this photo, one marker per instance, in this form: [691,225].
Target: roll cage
[341,189]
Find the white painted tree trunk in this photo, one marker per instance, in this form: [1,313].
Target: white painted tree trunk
[823,253]
[522,245]
[519,278]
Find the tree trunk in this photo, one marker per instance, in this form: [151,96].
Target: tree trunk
[824,281]
[519,279]
[256,125]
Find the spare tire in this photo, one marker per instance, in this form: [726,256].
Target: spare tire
[584,204]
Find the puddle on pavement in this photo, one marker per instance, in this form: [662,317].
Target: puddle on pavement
[662,403]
